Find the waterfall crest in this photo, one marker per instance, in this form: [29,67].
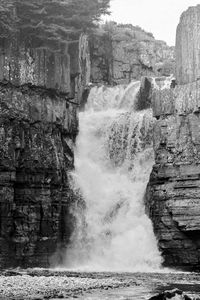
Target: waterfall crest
[113,161]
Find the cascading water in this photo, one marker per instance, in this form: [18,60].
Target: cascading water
[113,161]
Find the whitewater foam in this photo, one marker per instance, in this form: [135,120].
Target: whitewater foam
[113,161]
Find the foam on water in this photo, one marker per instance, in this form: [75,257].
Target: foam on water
[113,162]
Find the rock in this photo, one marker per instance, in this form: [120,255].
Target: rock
[36,66]
[37,132]
[144,96]
[39,95]
[187,46]
[121,53]
[67,70]
[172,197]
[11,273]
[173,295]
[151,91]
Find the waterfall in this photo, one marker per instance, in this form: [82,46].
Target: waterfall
[113,162]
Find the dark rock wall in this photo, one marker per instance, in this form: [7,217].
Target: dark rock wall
[39,97]
[173,193]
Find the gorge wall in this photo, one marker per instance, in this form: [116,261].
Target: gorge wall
[39,96]
[173,193]
[41,88]
[187,46]
[121,53]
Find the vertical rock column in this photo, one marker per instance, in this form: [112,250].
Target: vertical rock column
[188,46]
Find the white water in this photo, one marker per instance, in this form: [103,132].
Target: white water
[162,83]
[113,161]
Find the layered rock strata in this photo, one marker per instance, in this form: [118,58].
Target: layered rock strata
[173,193]
[39,97]
[172,197]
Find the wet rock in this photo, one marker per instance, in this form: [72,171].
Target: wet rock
[144,96]
[11,273]
[173,295]
[172,197]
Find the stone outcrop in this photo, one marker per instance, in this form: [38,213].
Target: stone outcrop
[121,53]
[172,197]
[187,46]
[39,97]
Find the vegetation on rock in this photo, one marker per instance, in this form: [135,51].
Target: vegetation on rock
[49,21]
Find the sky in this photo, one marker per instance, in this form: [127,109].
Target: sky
[159,17]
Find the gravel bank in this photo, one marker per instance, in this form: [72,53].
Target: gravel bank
[31,286]
[38,284]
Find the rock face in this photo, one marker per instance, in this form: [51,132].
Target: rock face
[173,193]
[38,126]
[172,197]
[187,46]
[121,53]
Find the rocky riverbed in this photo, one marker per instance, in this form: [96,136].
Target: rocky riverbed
[53,284]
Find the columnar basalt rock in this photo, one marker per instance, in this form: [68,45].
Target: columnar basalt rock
[40,92]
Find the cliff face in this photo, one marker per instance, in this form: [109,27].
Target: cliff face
[121,53]
[172,197]
[187,46]
[38,126]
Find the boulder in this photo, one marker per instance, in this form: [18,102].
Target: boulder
[175,294]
